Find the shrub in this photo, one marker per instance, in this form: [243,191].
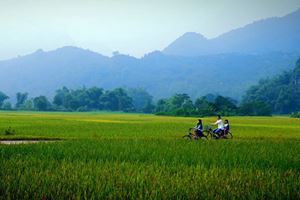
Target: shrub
[295,115]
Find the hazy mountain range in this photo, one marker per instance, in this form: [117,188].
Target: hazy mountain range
[264,36]
[227,65]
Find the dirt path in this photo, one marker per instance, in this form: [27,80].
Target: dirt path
[24,141]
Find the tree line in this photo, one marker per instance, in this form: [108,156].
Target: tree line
[133,100]
[209,105]
[84,99]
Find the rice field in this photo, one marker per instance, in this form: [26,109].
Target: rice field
[132,156]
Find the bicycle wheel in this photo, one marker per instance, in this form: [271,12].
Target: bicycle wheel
[204,136]
[214,136]
[205,133]
[187,137]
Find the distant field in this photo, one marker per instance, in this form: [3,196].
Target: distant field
[131,156]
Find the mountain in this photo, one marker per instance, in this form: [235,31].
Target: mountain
[277,34]
[191,44]
[41,73]
[192,64]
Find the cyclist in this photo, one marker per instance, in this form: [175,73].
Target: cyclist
[220,125]
[226,126]
[198,129]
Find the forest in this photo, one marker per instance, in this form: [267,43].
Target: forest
[133,100]
[281,93]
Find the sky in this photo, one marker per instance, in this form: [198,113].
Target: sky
[132,27]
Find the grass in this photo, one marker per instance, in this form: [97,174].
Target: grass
[131,156]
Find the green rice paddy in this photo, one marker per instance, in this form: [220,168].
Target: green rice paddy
[132,156]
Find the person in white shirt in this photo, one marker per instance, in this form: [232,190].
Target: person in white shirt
[220,125]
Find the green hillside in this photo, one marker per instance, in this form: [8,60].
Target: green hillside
[281,92]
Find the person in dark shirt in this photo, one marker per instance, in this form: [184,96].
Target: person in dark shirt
[226,127]
[198,129]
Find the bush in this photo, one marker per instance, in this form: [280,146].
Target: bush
[295,115]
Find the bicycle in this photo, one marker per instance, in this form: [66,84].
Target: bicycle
[191,136]
[209,130]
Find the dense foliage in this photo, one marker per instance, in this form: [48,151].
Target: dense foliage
[134,100]
[209,105]
[295,115]
[182,105]
[92,99]
[3,97]
[280,94]
[84,99]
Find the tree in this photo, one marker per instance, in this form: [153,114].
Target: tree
[66,99]
[148,108]
[161,106]
[41,103]
[3,97]
[296,73]
[262,109]
[225,105]
[178,100]
[116,100]
[124,101]
[109,101]
[179,104]
[281,93]
[255,108]
[141,99]
[21,98]
[28,105]
[60,96]
[6,106]
[187,107]
[204,107]
[94,95]
[288,100]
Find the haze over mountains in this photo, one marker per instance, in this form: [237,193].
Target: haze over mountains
[264,36]
[227,65]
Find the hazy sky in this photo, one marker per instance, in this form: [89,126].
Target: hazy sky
[132,27]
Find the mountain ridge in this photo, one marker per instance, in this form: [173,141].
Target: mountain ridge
[41,73]
[271,34]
